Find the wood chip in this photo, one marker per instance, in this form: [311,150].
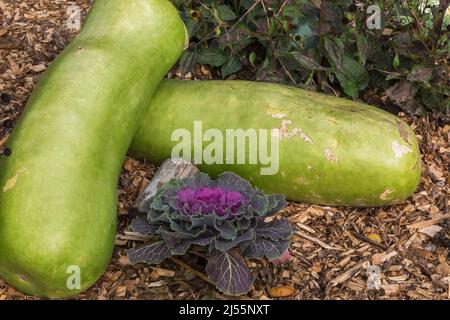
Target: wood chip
[38,68]
[281,292]
[316,241]
[348,274]
[427,223]
[431,231]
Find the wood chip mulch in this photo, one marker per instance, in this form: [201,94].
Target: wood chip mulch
[336,251]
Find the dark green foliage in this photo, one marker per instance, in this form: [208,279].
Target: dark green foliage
[327,46]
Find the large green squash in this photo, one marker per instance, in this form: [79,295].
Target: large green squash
[332,151]
[58,188]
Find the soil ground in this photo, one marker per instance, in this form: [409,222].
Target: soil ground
[332,247]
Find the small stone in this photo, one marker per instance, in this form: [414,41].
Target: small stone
[5,98]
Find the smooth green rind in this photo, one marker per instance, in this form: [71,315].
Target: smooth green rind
[351,154]
[58,188]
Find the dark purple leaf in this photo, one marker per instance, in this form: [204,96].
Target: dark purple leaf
[199,210]
[224,245]
[152,254]
[182,246]
[274,230]
[228,179]
[401,92]
[263,247]
[141,225]
[179,235]
[229,272]
[226,229]
[244,223]
[285,257]
[420,74]
[260,205]
[276,203]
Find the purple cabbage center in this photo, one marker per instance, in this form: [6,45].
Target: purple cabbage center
[209,199]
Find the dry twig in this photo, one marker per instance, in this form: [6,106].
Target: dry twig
[368,240]
[189,268]
[317,241]
[427,223]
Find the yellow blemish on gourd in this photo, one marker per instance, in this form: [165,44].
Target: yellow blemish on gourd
[400,149]
[79,51]
[332,120]
[360,201]
[285,133]
[330,154]
[385,194]
[302,180]
[11,183]
[316,196]
[277,113]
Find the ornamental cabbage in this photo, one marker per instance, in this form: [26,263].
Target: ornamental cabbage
[232,219]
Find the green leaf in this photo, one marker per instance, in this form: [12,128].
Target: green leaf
[225,13]
[392,76]
[303,62]
[252,58]
[232,65]
[188,61]
[238,38]
[430,100]
[212,56]
[363,47]
[192,27]
[352,77]
[334,53]
[396,61]
[292,11]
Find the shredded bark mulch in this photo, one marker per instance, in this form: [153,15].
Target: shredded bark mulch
[336,251]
